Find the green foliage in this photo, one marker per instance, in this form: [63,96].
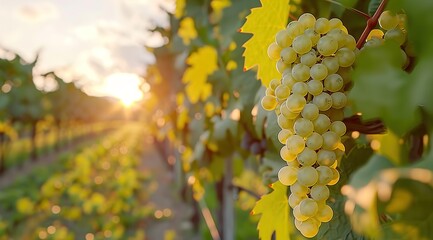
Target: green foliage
[383,90]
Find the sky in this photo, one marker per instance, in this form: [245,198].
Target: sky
[99,44]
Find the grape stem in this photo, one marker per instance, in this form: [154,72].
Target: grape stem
[371,24]
[250,192]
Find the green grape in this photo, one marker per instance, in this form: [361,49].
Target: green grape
[309,58]
[318,71]
[295,103]
[333,83]
[295,199]
[281,66]
[293,163]
[322,26]
[326,157]
[300,88]
[315,87]
[295,144]
[335,178]
[388,20]
[307,157]
[274,51]
[396,35]
[287,175]
[339,100]
[319,192]
[283,39]
[284,122]
[350,42]
[404,59]
[324,214]
[308,207]
[287,72]
[327,45]
[335,23]
[274,83]
[269,92]
[307,176]
[269,103]
[287,113]
[374,42]
[288,80]
[314,141]
[339,153]
[294,28]
[338,127]
[288,55]
[402,19]
[282,92]
[346,74]
[323,101]
[375,33]
[338,35]
[309,228]
[330,140]
[307,20]
[325,174]
[284,134]
[314,37]
[331,64]
[298,189]
[298,215]
[310,111]
[302,44]
[321,123]
[345,56]
[301,72]
[286,155]
[303,127]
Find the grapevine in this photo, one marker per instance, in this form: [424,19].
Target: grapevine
[312,55]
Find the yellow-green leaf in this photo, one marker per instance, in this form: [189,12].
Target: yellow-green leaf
[202,64]
[274,208]
[187,30]
[264,22]
[180,6]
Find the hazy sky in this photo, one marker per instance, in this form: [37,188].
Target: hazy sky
[89,40]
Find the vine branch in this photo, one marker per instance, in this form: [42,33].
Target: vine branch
[250,192]
[371,24]
[361,13]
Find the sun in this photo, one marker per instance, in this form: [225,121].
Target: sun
[125,87]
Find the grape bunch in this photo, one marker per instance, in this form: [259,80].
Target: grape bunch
[393,28]
[314,57]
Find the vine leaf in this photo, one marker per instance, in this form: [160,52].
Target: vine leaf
[202,64]
[373,5]
[187,30]
[275,213]
[383,90]
[264,22]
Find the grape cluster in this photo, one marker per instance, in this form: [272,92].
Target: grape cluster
[393,28]
[315,59]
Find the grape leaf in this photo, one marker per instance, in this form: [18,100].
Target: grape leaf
[382,89]
[373,6]
[274,208]
[202,64]
[180,6]
[264,22]
[187,30]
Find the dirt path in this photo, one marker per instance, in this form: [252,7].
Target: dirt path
[176,224]
[13,173]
